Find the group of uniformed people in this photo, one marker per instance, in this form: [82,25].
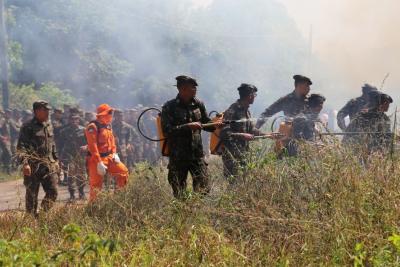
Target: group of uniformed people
[104,143]
[183,119]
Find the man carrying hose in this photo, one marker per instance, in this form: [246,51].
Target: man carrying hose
[181,120]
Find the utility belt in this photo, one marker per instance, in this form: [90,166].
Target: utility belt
[102,155]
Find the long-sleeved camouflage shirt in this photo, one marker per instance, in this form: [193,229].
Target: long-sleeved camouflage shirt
[291,105]
[36,144]
[351,109]
[235,144]
[377,131]
[73,139]
[184,144]
[125,135]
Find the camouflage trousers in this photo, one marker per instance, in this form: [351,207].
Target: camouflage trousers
[6,156]
[178,172]
[76,177]
[232,166]
[40,176]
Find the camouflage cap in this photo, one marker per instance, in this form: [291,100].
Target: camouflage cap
[41,104]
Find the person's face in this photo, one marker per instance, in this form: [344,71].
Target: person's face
[187,91]
[42,114]
[75,122]
[106,119]
[250,98]
[303,88]
[384,107]
[318,108]
[58,115]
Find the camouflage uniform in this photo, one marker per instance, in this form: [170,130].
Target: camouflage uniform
[186,148]
[37,148]
[351,109]
[291,105]
[73,158]
[5,145]
[235,148]
[126,138]
[304,126]
[139,144]
[303,130]
[379,126]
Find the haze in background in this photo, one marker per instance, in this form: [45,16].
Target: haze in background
[358,40]
[127,52]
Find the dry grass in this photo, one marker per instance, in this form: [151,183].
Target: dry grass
[322,209]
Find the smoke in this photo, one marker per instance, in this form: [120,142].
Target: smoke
[127,52]
[357,41]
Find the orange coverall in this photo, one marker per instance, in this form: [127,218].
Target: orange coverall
[101,147]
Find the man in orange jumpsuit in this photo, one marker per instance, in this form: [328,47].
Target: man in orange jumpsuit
[102,157]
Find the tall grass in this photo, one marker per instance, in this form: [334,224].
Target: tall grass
[323,208]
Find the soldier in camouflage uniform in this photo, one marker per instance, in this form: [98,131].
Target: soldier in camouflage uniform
[304,123]
[235,137]
[354,106]
[125,138]
[182,120]
[58,122]
[36,151]
[72,154]
[291,104]
[14,129]
[139,146]
[88,117]
[8,130]
[375,123]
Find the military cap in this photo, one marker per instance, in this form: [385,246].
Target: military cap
[386,98]
[366,88]
[57,110]
[246,89]
[183,79]
[74,110]
[375,98]
[41,104]
[315,100]
[300,78]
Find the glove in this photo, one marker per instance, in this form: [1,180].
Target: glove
[116,158]
[101,168]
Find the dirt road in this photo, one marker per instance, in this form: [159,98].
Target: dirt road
[12,195]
